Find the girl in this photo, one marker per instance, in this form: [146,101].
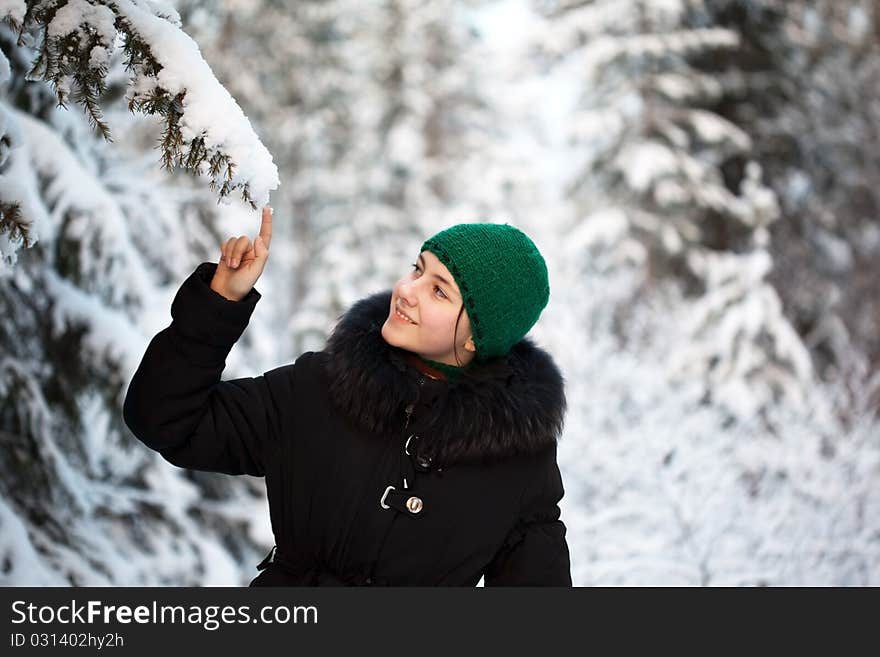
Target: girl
[417,448]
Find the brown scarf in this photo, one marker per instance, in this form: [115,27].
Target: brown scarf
[424,368]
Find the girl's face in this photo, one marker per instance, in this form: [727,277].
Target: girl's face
[429,296]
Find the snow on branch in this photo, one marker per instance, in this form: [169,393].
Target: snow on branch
[16,219]
[738,340]
[13,11]
[17,208]
[206,131]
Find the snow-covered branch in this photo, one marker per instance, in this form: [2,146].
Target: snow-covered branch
[206,131]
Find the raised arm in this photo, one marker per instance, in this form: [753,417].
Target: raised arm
[176,402]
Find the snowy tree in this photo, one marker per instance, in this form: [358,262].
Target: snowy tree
[808,100]
[700,448]
[653,190]
[109,239]
[74,39]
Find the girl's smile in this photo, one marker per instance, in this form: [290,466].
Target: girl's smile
[403,317]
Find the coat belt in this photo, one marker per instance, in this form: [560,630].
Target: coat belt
[307,574]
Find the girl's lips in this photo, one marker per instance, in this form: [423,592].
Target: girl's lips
[395,315]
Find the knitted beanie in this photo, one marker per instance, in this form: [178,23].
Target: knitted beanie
[502,278]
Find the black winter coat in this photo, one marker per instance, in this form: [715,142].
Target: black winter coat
[375,473]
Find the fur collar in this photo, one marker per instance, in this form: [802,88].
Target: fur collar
[495,410]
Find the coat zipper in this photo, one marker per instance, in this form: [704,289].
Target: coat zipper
[409,411]
[411,407]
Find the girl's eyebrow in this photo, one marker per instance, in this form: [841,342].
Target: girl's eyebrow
[437,276]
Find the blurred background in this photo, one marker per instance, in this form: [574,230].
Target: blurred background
[702,177]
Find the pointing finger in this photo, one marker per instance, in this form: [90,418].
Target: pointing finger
[260,250]
[266,226]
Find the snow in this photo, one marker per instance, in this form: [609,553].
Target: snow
[739,309]
[5,71]
[14,9]
[72,15]
[643,163]
[713,129]
[19,553]
[602,227]
[209,112]
[18,185]
[99,57]
[837,251]
[92,211]
[603,50]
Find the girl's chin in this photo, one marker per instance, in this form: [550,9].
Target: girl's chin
[397,334]
[387,333]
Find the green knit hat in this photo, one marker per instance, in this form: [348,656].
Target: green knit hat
[502,278]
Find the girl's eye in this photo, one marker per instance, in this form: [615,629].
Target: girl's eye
[436,288]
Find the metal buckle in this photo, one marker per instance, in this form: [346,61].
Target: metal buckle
[406,445]
[384,495]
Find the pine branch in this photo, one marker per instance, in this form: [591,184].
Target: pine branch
[13,225]
[13,24]
[72,58]
[92,109]
[141,62]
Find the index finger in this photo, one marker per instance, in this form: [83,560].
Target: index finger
[266,226]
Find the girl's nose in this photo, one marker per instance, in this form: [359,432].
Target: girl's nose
[407,292]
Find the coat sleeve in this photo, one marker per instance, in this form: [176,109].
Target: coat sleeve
[535,552]
[176,403]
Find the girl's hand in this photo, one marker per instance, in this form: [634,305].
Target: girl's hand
[241,262]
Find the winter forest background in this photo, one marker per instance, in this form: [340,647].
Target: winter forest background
[702,176]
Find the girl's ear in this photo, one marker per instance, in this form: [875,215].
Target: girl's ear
[469,344]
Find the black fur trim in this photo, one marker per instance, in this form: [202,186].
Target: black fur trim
[499,408]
